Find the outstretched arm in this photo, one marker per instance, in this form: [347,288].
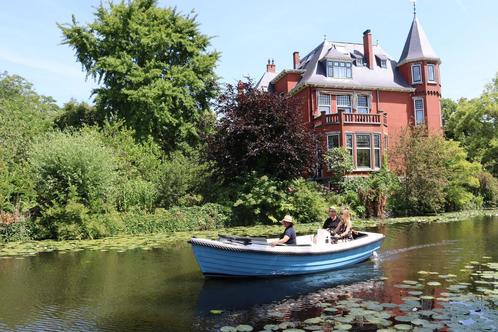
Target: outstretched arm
[281,241]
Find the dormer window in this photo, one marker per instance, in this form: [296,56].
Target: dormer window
[431,72]
[339,69]
[383,63]
[416,74]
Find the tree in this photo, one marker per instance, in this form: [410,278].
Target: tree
[434,173]
[154,68]
[77,115]
[261,132]
[474,124]
[340,163]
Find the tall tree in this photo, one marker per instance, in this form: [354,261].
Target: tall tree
[154,67]
[475,124]
[261,132]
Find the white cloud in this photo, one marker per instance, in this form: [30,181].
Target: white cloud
[42,64]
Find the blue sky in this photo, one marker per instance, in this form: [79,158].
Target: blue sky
[464,33]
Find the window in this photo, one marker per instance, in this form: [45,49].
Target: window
[349,143]
[363,104]
[363,148]
[359,62]
[386,142]
[324,103]
[332,141]
[376,139]
[383,63]
[416,74]
[344,103]
[419,110]
[431,73]
[339,69]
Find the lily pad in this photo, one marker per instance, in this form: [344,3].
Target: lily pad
[228,329]
[314,320]
[271,327]
[403,327]
[344,327]
[216,311]
[434,283]
[244,328]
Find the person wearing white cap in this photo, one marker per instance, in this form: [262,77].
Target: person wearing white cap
[289,234]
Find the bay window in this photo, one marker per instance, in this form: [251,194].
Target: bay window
[363,151]
[349,143]
[333,141]
[376,138]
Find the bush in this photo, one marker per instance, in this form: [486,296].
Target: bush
[195,218]
[76,164]
[136,194]
[15,227]
[73,220]
[262,200]
[340,163]
[488,189]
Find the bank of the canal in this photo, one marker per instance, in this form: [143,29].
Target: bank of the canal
[107,288]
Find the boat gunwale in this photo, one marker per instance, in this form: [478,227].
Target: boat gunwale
[232,247]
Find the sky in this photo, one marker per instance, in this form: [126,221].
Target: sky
[464,33]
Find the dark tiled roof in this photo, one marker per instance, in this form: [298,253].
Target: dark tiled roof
[417,46]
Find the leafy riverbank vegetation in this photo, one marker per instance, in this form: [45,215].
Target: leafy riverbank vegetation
[164,148]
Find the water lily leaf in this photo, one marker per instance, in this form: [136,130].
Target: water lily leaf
[403,318]
[344,327]
[293,330]
[314,320]
[312,327]
[410,282]
[228,329]
[244,328]
[216,311]
[270,327]
[434,283]
[403,327]
[423,272]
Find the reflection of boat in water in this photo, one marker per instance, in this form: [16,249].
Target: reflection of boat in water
[240,294]
[255,257]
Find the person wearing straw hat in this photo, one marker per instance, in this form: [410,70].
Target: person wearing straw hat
[289,234]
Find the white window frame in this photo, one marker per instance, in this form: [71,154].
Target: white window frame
[369,149]
[417,65]
[348,108]
[322,106]
[332,64]
[333,134]
[359,108]
[433,80]
[415,99]
[376,150]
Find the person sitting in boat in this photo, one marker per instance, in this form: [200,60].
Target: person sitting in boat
[345,228]
[332,221]
[289,234]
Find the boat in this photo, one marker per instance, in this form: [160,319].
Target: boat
[231,256]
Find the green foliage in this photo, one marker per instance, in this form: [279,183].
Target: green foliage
[474,123]
[74,220]
[76,115]
[262,200]
[194,218]
[76,164]
[340,163]
[24,115]
[488,189]
[434,174]
[154,66]
[136,194]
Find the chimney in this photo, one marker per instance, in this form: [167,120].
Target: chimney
[368,48]
[270,67]
[296,59]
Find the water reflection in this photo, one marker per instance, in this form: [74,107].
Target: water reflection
[239,294]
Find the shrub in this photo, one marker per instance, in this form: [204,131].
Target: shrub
[194,218]
[75,164]
[340,163]
[488,189]
[262,200]
[15,227]
[136,194]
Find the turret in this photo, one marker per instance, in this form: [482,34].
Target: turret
[419,65]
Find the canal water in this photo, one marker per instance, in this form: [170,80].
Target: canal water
[163,290]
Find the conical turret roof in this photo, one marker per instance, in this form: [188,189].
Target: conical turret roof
[417,46]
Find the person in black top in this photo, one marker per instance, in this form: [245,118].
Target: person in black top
[289,234]
[332,221]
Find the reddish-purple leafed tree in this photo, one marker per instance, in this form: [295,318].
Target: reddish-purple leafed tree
[261,132]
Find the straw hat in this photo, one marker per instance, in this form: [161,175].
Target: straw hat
[332,208]
[288,219]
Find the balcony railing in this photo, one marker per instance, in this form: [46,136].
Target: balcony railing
[352,118]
